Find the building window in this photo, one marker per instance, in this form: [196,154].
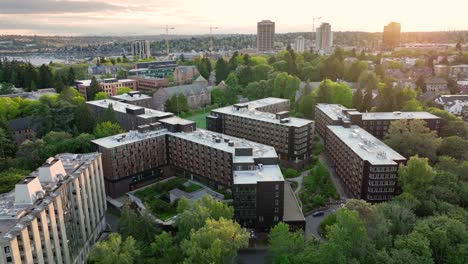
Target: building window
[260,218]
[276,218]
[276,202]
[276,186]
[7,250]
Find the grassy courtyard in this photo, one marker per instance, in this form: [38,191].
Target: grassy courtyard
[200,119]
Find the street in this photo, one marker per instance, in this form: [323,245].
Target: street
[312,223]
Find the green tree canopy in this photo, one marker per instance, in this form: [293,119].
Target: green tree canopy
[105,129]
[101,96]
[114,251]
[416,176]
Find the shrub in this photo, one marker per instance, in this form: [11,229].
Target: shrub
[291,173]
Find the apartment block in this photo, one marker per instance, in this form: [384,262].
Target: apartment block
[55,214]
[267,121]
[141,49]
[247,168]
[376,123]
[149,83]
[129,116]
[367,166]
[265,36]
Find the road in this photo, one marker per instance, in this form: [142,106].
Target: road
[312,223]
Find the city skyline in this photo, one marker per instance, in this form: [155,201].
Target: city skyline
[124,17]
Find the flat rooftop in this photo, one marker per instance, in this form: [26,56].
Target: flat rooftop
[131,97]
[175,120]
[127,138]
[252,113]
[366,146]
[397,115]
[335,111]
[121,107]
[268,173]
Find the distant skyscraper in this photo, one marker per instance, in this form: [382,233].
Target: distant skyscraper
[141,48]
[265,35]
[324,38]
[391,36]
[300,44]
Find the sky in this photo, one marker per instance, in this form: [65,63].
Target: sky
[149,17]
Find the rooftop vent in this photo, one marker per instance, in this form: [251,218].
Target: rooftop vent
[285,120]
[231,143]
[397,113]
[218,140]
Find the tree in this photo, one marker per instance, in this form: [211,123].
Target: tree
[412,105]
[93,89]
[165,250]
[222,70]
[245,74]
[412,137]
[114,251]
[400,219]
[29,154]
[281,252]
[84,119]
[6,88]
[101,96]
[105,129]
[7,145]
[306,106]
[455,147]
[450,125]
[416,176]
[177,104]
[109,115]
[71,77]
[45,77]
[333,93]
[261,72]
[204,67]
[358,100]
[216,242]
[355,71]
[124,90]
[10,177]
[122,74]
[128,221]
[195,216]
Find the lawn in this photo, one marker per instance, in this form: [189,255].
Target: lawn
[200,119]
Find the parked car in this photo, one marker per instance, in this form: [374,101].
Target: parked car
[318,213]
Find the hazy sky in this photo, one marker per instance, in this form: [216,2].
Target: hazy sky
[147,17]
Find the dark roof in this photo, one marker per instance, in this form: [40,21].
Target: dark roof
[20,124]
[196,88]
[453,98]
[436,80]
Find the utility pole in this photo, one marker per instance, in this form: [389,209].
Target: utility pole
[211,37]
[313,30]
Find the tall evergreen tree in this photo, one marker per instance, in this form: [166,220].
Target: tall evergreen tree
[222,70]
[93,89]
[358,99]
[45,77]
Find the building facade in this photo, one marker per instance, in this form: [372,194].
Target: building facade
[128,116]
[299,44]
[265,36]
[22,129]
[391,36]
[376,123]
[55,214]
[148,83]
[367,167]
[324,39]
[267,121]
[454,104]
[185,74]
[249,169]
[110,86]
[436,85]
[141,49]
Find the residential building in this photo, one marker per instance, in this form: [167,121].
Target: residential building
[161,67]
[110,86]
[56,214]
[391,36]
[141,49]
[149,83]
[324,39]
[376,123]
[185,74]
[436,84]
[367,167]
[299,44]
[22,129]
[267,121]
[103,69]
[128,116]
[249,169]
[265,36]
[197,94]
[463,87]
[134,98]
[453,104]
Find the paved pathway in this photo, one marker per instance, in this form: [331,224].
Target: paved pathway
[299,180]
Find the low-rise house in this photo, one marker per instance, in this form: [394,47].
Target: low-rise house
[453,103]
[463,87]
[197,94]
[22,129]
[149,83]
[436,84]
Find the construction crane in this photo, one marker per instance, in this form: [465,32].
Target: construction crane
[211,37]
[313,29]
[167,28]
